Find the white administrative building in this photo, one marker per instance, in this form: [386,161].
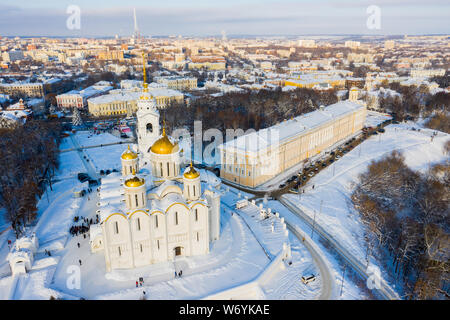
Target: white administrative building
[257,157]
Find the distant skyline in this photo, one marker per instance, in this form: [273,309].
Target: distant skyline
[107,18]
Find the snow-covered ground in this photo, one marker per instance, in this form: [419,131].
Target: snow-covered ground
[353,288]
[238,257]
[87,138]
[105,158]
[69,165]
[330,198]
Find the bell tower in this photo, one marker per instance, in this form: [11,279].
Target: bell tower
[147,118]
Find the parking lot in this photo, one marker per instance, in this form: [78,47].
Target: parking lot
[295,183]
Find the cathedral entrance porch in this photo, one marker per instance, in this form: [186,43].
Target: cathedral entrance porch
[178,251]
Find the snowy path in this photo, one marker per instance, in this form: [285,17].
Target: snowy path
[88,165]
[99,145]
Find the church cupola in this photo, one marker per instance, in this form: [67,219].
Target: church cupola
[165,157]
[129,161]
[192,185]
[135,192]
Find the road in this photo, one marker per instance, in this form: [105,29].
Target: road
[88,165]
[327,279]
[384,290]
[98,145]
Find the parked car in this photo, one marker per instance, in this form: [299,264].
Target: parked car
[83,177]
[308,278]
[282,186]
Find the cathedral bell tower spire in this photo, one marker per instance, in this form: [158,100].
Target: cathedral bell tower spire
[147,116]
[145,73]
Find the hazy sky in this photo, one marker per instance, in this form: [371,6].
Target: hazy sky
[210,17]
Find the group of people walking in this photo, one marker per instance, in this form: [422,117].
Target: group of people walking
[84,227]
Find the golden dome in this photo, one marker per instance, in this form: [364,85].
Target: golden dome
[129,155]
[192,173]
[163,145]
[135,181]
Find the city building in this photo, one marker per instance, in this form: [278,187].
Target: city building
[26,90]
[389,44]
[125,101]
[110,55]
[13,55]
[307,43]
[257,157]
[207,62]
[178,83]
[427,73]
[352,44]
[79,99]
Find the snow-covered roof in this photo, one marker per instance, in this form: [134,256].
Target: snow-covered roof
[269,137]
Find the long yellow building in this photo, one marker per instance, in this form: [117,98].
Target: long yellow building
[257,157]
[126,102]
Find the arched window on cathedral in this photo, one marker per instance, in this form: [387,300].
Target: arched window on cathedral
[138,224]
[176,217]
[149,127]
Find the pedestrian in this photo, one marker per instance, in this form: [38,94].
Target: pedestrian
[175,274]
[79,261]
[78,244]
[136,284]
[84,235]
[313,187]
[49,254]
[181,272]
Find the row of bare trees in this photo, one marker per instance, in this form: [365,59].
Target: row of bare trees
[28,159]
[414,102]
[407,218]
[248,109]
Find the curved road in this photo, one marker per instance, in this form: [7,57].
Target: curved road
[327,279]
[384,290]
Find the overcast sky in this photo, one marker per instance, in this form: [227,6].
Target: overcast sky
[210,17]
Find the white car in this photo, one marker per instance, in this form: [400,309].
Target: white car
[308,278]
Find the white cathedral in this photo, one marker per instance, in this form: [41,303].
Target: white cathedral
[152,212]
